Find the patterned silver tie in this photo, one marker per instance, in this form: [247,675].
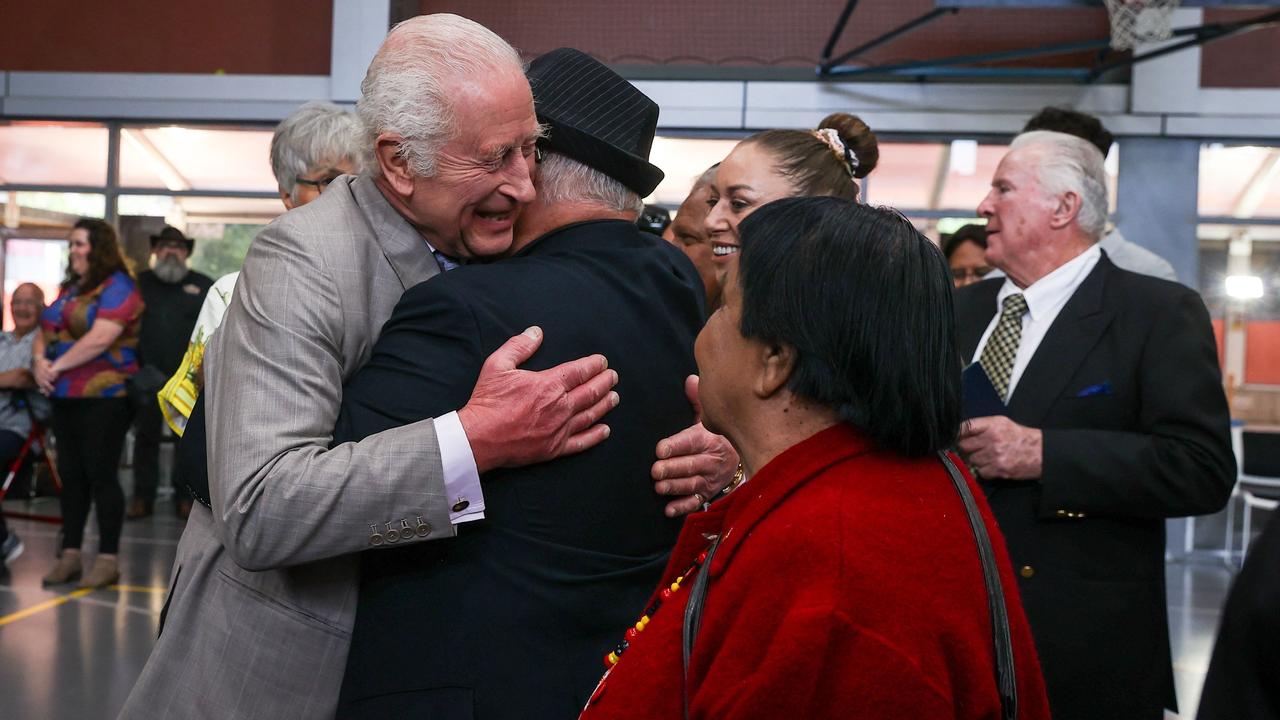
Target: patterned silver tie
[1002,347]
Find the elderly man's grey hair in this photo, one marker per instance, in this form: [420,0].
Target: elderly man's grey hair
[316,133]
[1067,163]
[404,91]
[563,179]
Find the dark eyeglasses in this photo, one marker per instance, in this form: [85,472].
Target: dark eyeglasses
[977,273]
[320,184]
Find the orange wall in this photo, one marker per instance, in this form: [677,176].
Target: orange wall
[1262,350]
[286,37]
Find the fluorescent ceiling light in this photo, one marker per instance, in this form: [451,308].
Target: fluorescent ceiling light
[964,157]
[1244,287]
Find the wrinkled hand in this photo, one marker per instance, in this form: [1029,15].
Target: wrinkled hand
[518,417]
[695,463]
[1000,449]
[44,374]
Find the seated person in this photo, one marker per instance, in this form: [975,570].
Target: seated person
[16,404]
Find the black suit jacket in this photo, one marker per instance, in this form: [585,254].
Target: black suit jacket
[1127,390]
[1243,682]
[512,618]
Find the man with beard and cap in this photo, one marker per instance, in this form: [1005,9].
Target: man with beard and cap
[511,618]
[173,294]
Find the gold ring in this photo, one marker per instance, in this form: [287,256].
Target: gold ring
[701,499]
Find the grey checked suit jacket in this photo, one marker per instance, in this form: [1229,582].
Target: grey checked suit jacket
[263,590]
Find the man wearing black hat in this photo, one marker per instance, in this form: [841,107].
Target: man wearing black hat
[512,618]
[173,294]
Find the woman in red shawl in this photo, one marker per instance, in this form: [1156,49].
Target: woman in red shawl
[846,580]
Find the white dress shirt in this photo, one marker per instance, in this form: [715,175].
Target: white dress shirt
[1045,299]
[461,478]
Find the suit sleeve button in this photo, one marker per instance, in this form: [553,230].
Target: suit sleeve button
[1062,513]
[1027,571]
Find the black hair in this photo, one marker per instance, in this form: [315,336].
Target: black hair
[976,234]
[1082,125]
[865,300]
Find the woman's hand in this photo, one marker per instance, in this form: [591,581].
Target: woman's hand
[44,374]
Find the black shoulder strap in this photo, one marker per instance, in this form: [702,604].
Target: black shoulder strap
[693,616]
[1006,681]
[1005,676]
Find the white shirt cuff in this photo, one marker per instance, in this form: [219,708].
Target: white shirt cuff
[461,478]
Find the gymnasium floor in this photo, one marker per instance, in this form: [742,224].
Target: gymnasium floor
[74,655]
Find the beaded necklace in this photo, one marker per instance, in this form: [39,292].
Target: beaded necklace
[634,631]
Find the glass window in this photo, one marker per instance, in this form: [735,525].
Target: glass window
[243,211]
[146,205]
[683,160]
[47,209]
[1239,181]
[1259,317]
[53,153]
[907,176]
[196,158]
[43,262]
[221,247]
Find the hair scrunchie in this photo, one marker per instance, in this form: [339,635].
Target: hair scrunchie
[831,138]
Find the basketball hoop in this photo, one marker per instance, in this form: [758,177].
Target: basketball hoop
[1140,21]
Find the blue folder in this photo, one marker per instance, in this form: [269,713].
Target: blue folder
[978,396]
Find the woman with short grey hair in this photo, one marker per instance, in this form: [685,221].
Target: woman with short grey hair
[312,147]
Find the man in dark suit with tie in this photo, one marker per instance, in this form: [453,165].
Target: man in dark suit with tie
[1115,420]
[512,618]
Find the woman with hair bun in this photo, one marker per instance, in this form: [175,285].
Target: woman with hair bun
[775,164]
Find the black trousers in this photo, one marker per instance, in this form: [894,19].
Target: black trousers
[90,435]
[10,446]
[148,427]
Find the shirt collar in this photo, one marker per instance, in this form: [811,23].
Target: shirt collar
[1048,294]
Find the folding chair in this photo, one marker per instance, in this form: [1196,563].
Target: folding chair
[36,445]
[40,450]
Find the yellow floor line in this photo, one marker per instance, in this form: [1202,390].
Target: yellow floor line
[137,588]
[47,604]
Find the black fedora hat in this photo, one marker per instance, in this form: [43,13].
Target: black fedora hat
[596,117]
[172,233]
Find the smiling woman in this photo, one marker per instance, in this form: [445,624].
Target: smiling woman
[776,164]
[83,360]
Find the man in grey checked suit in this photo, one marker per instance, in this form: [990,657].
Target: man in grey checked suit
[262,593]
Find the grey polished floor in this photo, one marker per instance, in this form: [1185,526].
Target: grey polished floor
[75,655]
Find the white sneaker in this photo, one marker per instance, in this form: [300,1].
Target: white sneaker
[11,548]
